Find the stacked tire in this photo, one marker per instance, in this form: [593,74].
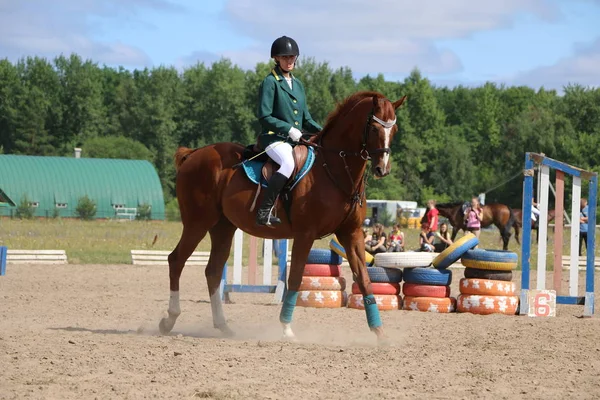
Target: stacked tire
[428,289]
[385,283]
[487,287]
[322,284]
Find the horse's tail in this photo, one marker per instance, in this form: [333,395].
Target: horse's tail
[180,155]
[513,222]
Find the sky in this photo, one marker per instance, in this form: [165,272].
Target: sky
[548,43]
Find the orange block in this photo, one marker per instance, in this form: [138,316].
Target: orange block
[321,298]
[430,304]
[385,302]
[322,283]
[487,287]
[484,305]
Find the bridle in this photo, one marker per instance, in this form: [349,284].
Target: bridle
[358,191]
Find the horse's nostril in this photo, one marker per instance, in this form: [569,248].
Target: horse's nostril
[379,171]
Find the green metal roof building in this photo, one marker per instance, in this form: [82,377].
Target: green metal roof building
[54,185]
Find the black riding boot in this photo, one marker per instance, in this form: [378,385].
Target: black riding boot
[263,214]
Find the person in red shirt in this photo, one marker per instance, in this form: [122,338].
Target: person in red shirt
[432,216]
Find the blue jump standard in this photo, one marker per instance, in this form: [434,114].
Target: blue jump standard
[588,300]
[3,250]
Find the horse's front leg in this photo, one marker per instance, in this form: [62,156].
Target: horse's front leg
[300,251]
[355,251]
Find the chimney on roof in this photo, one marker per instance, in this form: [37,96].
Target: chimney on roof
[77,152]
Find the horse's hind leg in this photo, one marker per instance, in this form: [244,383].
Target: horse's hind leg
[191,236]
[221,236]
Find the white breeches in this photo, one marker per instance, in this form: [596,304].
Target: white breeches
[283,154]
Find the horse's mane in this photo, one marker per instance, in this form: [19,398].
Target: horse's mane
[345,107]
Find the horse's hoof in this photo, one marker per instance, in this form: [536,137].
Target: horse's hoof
[226,331]
[291,339]
[165,326]
[384,342]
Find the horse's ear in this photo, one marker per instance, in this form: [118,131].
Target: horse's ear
[398,103]
[375,101]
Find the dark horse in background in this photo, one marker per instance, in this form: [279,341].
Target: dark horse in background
[216,198]
[535,226]
[497,214]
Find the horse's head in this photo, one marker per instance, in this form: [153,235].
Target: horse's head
[379,132]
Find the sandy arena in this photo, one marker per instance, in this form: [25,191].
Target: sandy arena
[91,331]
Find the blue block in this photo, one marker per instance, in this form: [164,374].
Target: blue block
[573,300]
[250,288]
[3,250]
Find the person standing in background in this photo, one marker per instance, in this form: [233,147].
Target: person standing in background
[583,223]
[473,217]
[432,216]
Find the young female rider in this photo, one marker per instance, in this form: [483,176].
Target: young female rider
[282,113]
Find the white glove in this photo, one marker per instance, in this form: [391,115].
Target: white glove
[295,134]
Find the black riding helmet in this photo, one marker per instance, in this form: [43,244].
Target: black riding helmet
[284,46]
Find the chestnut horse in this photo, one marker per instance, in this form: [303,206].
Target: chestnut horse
[493,213]
[215,198]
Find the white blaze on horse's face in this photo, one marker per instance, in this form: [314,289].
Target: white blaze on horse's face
[386,156]
[388,126]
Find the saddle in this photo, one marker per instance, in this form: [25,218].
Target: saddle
[260,169]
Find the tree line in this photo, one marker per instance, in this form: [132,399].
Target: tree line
[452,143]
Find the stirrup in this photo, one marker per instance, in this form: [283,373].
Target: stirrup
[270,219]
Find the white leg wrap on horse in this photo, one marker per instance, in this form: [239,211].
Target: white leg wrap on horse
[174,308]
[287,331]
[216,307]
[283,154]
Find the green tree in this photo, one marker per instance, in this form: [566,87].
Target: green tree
[84,114]
[116,147]
[86,208]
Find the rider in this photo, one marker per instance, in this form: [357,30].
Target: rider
[282,113]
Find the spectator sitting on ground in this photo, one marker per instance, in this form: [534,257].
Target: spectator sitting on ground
[396,240]
[442,239]
[377,242]
[426,239]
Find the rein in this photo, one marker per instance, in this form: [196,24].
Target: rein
[358,193]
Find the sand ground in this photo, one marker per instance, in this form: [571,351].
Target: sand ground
[90,331]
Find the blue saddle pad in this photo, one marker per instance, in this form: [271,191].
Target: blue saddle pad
[253,170]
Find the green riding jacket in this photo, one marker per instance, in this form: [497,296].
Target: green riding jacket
[281,108]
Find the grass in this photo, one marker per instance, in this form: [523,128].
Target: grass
[110,242]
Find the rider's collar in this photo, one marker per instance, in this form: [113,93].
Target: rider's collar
[278,74]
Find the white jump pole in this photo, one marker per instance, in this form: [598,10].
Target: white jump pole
[268,261]
[543,226]
[575,211]
[237,256]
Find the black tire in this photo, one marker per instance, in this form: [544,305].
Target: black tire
[472,273]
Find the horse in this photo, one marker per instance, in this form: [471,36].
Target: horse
[216,197]
[493,213]
[534,226]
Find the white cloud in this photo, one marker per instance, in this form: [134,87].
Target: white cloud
[581,68]
[389,36]
[43,28]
